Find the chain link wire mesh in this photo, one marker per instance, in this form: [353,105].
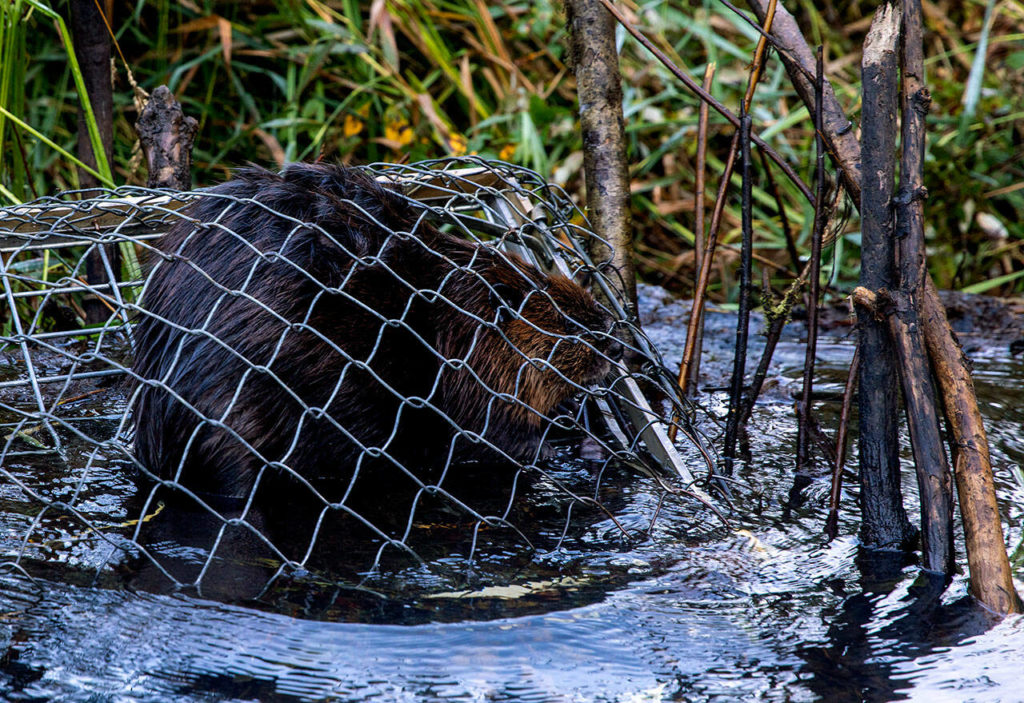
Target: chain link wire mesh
[351,371]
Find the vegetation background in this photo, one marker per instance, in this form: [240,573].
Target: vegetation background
[272,81]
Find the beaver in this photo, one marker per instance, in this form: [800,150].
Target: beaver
[312,323]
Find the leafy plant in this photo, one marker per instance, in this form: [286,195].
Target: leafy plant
[393,80]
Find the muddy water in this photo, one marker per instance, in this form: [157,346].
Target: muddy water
[692,610]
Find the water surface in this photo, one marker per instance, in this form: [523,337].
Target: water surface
[684,608]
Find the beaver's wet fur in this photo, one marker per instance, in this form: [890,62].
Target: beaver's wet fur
[370,342]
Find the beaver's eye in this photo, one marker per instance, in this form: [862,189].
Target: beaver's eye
[506,300]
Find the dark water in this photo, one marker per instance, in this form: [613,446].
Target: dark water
[761,609]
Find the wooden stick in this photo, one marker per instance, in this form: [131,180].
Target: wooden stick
[798,58]
[991,581]
[935,485]
[689,366]
[787,230]
[721,109]
[832,522]
[688,382]
[803,454]
[739,363]
[884,520]
[991,578]
[700,286]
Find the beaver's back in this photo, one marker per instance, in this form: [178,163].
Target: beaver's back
[311,320]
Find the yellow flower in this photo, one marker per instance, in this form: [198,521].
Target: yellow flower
[457,144]
[399,131]
[507,152]
[353,126]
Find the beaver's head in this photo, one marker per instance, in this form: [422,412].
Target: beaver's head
[518,344]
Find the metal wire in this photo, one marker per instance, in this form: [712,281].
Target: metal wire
[73,487]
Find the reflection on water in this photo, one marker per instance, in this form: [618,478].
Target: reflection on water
[761,610]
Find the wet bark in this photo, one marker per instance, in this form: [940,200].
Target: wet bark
[739,363]
[884,524]
[934,482]
[599,87]
[166,135]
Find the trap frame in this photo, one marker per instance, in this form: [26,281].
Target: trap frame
[65,412]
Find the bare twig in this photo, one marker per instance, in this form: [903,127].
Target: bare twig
[721,109]
[778,312]
[700,286]
[832,522]
[760,52]
[776,317]
[689,368]
[780,48]
[743,315]
[787,231]
[817,234]
[690,381]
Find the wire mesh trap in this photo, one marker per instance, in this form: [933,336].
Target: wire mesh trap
[286,371]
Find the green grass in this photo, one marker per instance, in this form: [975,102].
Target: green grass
[282,80]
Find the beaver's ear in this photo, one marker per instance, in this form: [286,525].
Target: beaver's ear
[506,300]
